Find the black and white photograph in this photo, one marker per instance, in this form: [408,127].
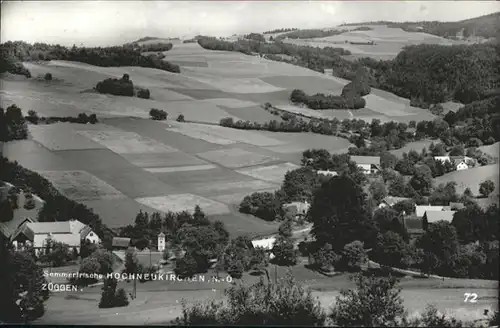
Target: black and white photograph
[250,163]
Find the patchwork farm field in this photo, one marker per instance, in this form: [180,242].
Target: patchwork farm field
[128,162]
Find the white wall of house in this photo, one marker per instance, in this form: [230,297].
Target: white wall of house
[462,166]
[93,238]
[365,167]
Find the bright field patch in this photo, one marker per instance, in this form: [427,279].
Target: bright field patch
[153,160]
[236,186]
[273,173]
[81,186]
[309,84]
[384,106]
[235,157]
[180,168]
[230,102]
[122,142]
[221,135]
[184,202]
[236,198]
[60,136]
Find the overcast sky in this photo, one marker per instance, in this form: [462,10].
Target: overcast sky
[115,22]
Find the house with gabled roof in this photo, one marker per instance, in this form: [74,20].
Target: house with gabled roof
[368,164]
[327,173]
[70,232]
[421,209]
[432,217]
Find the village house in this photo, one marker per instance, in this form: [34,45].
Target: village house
[267,243]
[431,217]
[459,162]
[120,243]
[390,201]
[327,173]
[368,164]
[297,209]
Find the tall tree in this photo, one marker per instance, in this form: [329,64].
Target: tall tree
[421,181]
[284,248]
[339,214]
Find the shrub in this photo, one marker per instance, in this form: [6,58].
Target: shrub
[284,303]
[48,77]
[486,188]
[354,256]
[186,267]
[143,93]
[121,298]
[375,302]
[158,114]
[180,118]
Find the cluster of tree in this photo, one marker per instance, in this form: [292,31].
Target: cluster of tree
[409,162]
[117,56]
[56,207]
[99,262]
[240,256]
[255,37]
[9,63]
[12,124]
[193,233]
[121,87]
[321,101]
[419,71]
[374,302]
[111,297]
[82,118]
[280,30]
[290,123]
[158,114]
[310,34]
[58,254]
[190,41]
[22,293]
[156,47]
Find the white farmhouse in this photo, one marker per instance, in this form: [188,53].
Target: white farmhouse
[369,164]
[327,173]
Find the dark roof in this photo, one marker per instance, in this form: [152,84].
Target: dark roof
[374,160]
[121,242]
[85,231]
[10,228]
[413,223]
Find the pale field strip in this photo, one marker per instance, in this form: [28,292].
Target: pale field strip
[272,173]
[231,103]
[307,112]
[184,202]
[124,142]
[81,186]
[162,160]
[236,198]
[253,185]
[180,168]
[222,135]
[384,106]
[60,136]
[235,157]
[240,85]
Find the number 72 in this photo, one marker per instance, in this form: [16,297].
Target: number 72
[470,297]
